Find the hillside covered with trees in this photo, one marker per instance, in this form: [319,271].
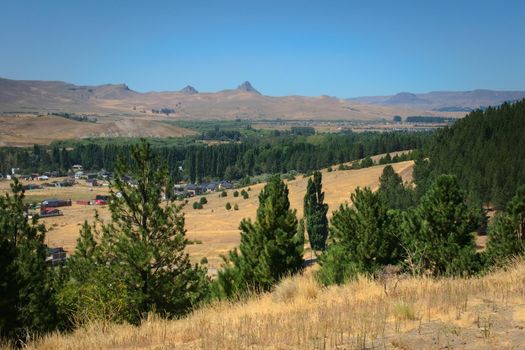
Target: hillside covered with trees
[485,150]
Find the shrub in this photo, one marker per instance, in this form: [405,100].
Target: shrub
[224,194]
[197,205]
[204,260]
[228,206]
[203,200]
[236,193]
[235,206]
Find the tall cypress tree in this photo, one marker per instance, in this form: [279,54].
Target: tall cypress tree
[270,247]
[315,211]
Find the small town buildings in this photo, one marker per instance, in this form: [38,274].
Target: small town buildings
[56,256]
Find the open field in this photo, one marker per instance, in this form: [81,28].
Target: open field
[28,130]
[415,313]
[214,226]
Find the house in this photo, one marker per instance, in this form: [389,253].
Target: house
[193,189]
[79,174]
[56,256]
[43,178]
[54,203]
[225,185]
[212,186]
[77,167]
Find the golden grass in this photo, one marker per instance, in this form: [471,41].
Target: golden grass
[216,227]
[421,313]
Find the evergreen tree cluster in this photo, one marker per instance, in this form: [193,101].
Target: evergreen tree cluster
[485,150]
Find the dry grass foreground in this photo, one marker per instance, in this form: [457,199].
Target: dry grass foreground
[418,313]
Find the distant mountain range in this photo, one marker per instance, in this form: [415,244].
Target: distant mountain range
[445,101]
[244,102]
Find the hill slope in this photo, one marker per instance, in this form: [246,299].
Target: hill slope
[416,313]
[486,150]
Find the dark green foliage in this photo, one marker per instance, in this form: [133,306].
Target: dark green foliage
[485,150]
[252,156]
[244,194]
[392,191]
[363,238]
[438,234]
[270,247]
[315,211]
[197,205]
[235,206]
[228,206]
[140,264]
[223,194]
[27,299]
[366,162]
[236,194]
[506,238]
[203,200]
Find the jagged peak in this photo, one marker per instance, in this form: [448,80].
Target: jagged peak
[189,90]
[247,86]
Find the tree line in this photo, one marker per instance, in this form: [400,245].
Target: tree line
[230,161]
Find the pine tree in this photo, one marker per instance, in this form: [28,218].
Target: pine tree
[438,234]
[270,247]
[26,293]
[315,211]
[142,265]
[363,238]
[392,191]
[506,233]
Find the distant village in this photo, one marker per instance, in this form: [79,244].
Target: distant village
[49,207]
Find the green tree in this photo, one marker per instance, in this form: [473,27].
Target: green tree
[438,234]
[270,247]
[27,298]
[506,233]
[142,265]
[363,238]
[315,211]
[228,206]
[203,200]
[392,191]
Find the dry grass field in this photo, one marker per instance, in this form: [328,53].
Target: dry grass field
[415,313]
[27,130]
[214,227]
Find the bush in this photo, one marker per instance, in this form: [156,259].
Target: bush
[224,194]
[204,260]
[329,169]
[236,193]
[235,206]
[203,200]
[197,205]
[244,194]
[228,206]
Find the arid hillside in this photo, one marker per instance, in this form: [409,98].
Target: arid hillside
[392,313]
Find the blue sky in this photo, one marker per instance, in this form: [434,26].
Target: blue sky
[340,48]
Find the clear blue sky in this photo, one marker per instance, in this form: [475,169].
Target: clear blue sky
[341,48]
